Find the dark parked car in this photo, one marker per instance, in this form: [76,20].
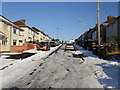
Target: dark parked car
[52,44]
[44,46]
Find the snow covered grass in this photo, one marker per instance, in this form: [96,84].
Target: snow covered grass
[12,70]
[106,71]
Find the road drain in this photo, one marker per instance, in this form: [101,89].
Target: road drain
[20,56]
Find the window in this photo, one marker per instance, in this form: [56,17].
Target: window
[115,26]
[5,26]
[32,32]
[20,42]
[20,33]
[14,42]
[4,42]
[14,30]
[29,31]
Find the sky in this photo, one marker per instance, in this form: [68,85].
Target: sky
[68,19]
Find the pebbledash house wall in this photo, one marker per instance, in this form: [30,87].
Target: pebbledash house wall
[6,31]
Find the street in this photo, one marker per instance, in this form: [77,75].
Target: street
[60,69]
[57,44]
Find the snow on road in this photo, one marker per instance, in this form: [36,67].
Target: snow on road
[59,70]
[12,70]
[106,71]
[62,70]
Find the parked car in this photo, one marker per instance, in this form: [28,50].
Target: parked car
[33,42]
[57,43]
[70,46]
[44,46]
[52,44]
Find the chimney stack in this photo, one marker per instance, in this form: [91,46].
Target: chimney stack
[23,20]
[110,17]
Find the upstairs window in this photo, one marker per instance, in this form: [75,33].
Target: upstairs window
[20,33]
[32,32]
[29,31]
[5,26]
[14,30]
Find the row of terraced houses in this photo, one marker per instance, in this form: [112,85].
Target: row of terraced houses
[18,33]
[110,33]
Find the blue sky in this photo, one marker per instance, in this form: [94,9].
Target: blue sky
[48,16]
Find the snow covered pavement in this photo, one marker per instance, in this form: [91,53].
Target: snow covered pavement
[106,71]
[12,70]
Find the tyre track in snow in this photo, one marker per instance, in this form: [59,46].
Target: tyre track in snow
[64,71]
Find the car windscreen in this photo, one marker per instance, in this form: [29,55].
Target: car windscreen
[43,43]
[52,42]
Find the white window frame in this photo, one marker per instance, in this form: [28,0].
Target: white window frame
[6,26]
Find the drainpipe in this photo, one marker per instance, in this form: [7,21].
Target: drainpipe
[11,36]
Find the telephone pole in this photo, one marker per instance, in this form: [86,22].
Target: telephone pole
[98,13]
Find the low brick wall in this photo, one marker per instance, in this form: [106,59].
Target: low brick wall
[29,46]
[20,49]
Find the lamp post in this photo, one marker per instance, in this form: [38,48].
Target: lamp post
[98,14]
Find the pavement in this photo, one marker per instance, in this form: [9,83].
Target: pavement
[12,70]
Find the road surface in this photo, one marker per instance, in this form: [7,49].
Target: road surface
[60,70]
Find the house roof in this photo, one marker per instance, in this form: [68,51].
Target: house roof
[118,17]
[36,29]
[39,31]
[19,23]
[5,18]
[9,22]
[109,20]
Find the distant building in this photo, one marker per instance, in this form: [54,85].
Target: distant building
[71,41]
[41,36]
